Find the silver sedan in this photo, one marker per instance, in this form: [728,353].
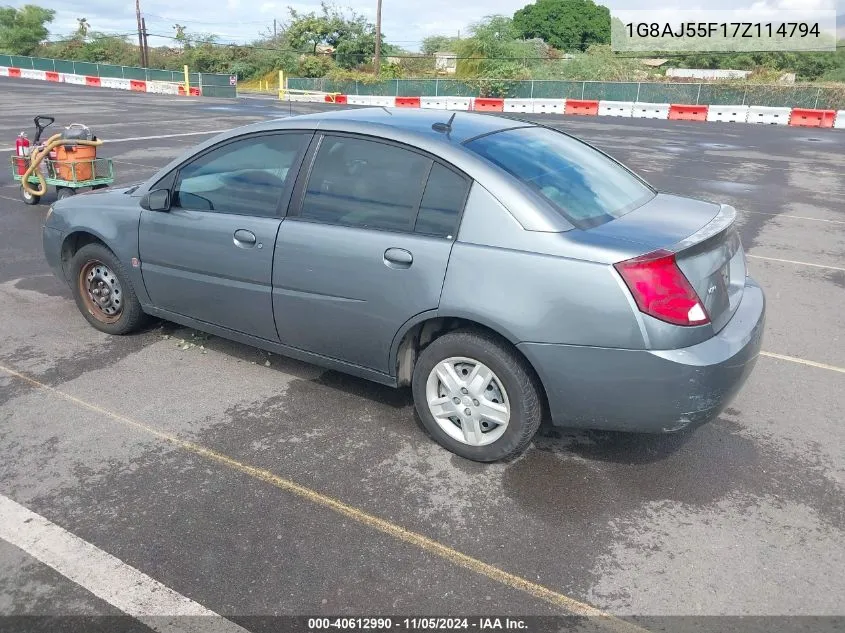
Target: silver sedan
[501,269]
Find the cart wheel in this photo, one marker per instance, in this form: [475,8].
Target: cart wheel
[98,187]
[29,198]
[64,192]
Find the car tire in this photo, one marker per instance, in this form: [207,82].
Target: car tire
[96,270]
[512,386]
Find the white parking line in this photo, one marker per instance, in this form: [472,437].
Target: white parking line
[144,138]
[794,217]
[801,361]
[105,576]
[797,263]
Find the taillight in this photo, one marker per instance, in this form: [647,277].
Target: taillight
[661,290]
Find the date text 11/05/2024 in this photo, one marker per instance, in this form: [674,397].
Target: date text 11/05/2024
[724,29]
[376,625]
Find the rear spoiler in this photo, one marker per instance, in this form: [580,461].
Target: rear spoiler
[722,220]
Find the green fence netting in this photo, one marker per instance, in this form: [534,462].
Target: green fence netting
[213,85]
[801,96]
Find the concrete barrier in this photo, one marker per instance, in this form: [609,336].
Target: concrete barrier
[806,117]
[488,104]
[433,103]
[408,102]
[115,84]
[616,108]
[519,105]
[728,113]
[549,106]
[165,88]
[77,80]
[582,107]
[769,115]
[27,73]
[646,110]
[685,112]
[459,103]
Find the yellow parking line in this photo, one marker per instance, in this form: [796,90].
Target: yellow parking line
[570,605]
[809,363]
[793,261]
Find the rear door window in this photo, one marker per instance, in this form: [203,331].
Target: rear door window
[442,203]
[365,183]
[585,186]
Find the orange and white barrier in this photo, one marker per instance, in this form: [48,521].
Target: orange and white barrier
[134,85]
[798,117]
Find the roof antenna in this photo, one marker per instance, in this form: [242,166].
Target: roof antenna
[444,127]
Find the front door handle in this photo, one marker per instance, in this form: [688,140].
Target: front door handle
[398,258]
[244,238]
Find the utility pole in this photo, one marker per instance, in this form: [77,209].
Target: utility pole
[378,39]
[274,29]
[146,44]
[140,31]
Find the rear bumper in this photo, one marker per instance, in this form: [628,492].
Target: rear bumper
[653,391]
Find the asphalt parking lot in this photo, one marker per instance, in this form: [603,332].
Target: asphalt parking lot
[255,485]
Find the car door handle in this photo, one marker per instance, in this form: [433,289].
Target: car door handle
[398,258]
[244,238]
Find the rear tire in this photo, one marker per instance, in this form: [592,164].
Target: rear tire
[103,291]
[496,396]
[65,192]
[29,198]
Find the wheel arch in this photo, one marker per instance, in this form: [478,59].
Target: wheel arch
[74,241]
[426,327]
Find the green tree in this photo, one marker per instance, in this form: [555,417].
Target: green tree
[564,24]
[439,43]
[22,30]
[350,34]
[180,36]
[82,28]
[494,50]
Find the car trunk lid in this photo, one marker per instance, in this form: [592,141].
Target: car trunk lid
[705,242]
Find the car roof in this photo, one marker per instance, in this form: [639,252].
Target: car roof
[465,125]
[413,127]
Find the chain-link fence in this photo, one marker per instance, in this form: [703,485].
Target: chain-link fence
[801,96]
[213,85]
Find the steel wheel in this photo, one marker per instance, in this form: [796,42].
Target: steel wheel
[468,401]
[101,292]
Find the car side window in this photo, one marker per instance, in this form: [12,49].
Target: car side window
[245,177]
[363,183]
[442,203]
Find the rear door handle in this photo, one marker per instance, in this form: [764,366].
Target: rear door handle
[244,238]
[398,258]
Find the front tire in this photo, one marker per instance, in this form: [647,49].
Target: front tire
[103,291]
[476,396]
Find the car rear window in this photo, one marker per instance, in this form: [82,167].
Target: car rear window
[584,185]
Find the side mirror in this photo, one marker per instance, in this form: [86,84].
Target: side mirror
[158,200]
